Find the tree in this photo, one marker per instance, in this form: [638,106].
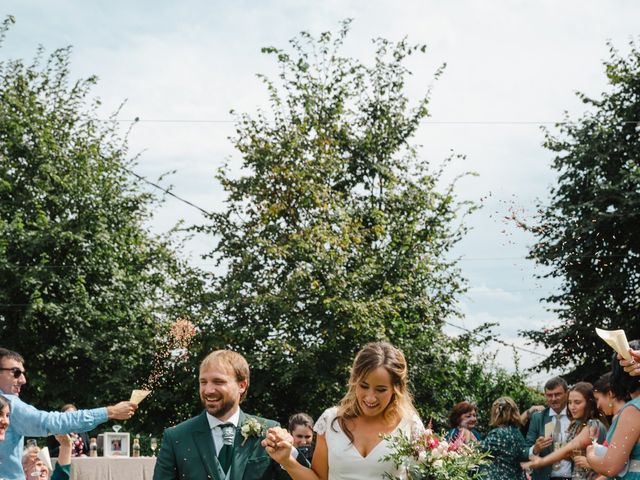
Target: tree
[589,233]
[335,233]
[86,292]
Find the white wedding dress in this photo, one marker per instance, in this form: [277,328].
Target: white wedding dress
[346,462]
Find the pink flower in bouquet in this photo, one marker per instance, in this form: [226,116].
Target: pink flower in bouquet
[432,442]
[456,444]
[429,456]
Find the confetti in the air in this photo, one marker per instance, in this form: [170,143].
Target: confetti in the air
[173,350]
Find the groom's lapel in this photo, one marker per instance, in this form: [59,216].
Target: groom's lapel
[204,443]
[241,450]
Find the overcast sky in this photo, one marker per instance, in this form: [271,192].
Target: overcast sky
[512,66]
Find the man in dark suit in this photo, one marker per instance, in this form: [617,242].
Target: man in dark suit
[540,438]
[223,442]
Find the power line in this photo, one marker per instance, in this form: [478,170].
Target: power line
[502,342]
[168,192]
[424,122]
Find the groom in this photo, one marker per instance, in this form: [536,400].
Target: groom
[222,442]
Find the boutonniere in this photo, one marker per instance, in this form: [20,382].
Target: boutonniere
[251,428]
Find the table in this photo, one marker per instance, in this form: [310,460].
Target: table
[112,468]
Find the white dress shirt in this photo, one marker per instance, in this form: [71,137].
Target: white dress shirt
[563,467]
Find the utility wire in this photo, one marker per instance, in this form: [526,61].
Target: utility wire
[168,192]
[427,122]
[477,335]
[502,342]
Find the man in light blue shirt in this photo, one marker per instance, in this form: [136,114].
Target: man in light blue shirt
[29,421]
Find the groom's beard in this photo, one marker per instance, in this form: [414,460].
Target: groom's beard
[224,407]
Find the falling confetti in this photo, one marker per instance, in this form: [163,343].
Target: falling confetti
[173,350]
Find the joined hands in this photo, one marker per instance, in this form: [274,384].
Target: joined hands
[279,445]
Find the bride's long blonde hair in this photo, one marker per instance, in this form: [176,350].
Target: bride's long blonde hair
[372,356]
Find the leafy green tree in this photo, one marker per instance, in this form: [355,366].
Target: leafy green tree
[335,232]
[86,291]
[589,233]
[460,374]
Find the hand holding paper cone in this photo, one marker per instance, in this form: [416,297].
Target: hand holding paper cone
[631,366]
[617,340]
[138,395]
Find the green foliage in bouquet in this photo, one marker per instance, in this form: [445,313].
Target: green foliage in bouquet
[430,457]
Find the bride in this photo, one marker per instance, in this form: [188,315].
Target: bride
[349,444]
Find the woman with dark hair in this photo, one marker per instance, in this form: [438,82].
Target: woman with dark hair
[350,441]
[463,419]
[622,457]
[504,443]
[301,429]
[608,403]
[583,411]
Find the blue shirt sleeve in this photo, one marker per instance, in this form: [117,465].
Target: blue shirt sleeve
[27,420]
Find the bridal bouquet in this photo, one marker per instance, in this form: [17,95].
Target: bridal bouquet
[430,457]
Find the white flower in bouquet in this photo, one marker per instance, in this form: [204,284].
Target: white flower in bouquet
[429,457]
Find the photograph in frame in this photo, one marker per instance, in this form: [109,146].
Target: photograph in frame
[116,444]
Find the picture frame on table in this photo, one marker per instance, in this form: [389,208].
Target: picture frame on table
[116,444]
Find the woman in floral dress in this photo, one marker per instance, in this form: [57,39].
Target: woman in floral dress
[504,443]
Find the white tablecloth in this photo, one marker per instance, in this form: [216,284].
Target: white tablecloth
[112,468]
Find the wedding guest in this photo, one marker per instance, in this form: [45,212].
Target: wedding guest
[35,468]
[585,417]
[26,420]
[504,443]
[463,419]
[301,429]
[622,458]
[4,417]
[348,441]
[556,394]
[79,440]
[586,420]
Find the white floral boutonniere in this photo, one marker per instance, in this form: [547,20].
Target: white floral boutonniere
[251,428]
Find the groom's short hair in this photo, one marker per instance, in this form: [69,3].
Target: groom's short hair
[233,362]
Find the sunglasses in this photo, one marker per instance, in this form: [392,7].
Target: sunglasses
[15,371]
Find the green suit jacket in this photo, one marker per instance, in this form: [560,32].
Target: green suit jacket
[187,453]
[536,429]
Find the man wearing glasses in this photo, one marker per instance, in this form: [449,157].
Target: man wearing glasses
[29,421]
